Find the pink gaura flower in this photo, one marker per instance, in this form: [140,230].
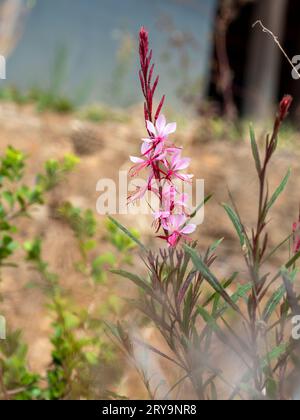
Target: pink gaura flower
[148,161]
[159,134]
[172,200]
[161,130]
[142,190]
[177,228]
[176,165]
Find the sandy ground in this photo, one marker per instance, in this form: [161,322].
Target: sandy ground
[104,149]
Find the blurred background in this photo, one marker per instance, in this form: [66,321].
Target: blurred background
[72,88]
[203,49]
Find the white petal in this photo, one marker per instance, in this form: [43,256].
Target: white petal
[182,164]
[145,148]
[151,127]
[159,148]
[136,159]
[147,140]
[170,128]
[176,221]
[161,123]
[188,229]
[186,177]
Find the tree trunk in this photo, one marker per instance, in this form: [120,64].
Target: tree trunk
[263,69]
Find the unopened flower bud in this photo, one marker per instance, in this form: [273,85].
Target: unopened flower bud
[285,106]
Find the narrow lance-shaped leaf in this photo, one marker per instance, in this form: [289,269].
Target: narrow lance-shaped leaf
[210,278]
[225,285]
[185,287]
[274,354]
[236,222]
[206,199]
[255,151]
[134,278]
[273,302]
[293,300]
[276,298]
[215,245]
[209,319]
[278,190]
[128,233]
[293,260]
[274,250]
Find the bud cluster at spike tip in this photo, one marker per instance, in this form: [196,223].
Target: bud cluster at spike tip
[161,159]
[146,78]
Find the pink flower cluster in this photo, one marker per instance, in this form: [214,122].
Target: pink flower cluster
[162,160]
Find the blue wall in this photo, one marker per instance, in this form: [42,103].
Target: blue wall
[89,32]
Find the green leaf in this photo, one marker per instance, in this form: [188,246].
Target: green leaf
[236,222]
[242,292]
[225,285]
[278,295]
[274,354]
[91,357]
[274,250]
[89,245]
[279,190]
[210,321]
[292,298]
[128,233]
[255,151]
[210,278]
[9,198]
[215,245]
[138,281]
[292,261]
[271,388]
[70,161]
[206,199]
[187,310]
[98,266]
[33,249]
[273,302]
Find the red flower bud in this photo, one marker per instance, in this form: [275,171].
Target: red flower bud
[285,106]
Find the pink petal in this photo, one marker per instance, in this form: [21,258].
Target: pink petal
[173,149]
[140,192]
[161,215]
[163,156]
[173,239]
[183,199]
[175,157]
[180,219]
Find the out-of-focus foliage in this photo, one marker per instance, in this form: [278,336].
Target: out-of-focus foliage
[83,362]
